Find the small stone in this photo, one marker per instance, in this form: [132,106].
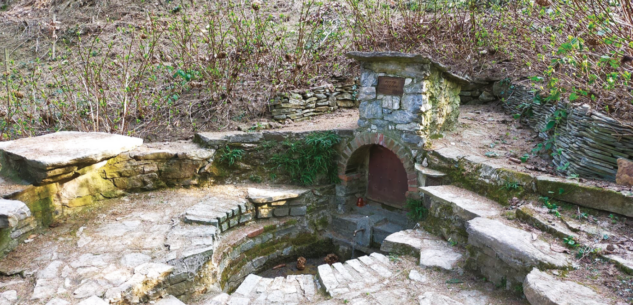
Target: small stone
[417,276]
[624,176]
[57,301]
[93,300]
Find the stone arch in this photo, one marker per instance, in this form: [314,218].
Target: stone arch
[349,166]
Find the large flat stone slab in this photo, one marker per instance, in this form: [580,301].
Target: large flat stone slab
[588,196]
[262,196]
[60,154]
[543,289]
[432,250]
[513,246]
[465,204]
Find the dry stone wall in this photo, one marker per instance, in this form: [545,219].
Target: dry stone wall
[301,105]
[586,142]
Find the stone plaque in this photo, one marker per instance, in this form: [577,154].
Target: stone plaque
[388,85]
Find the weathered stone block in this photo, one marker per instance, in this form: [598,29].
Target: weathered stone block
[402,117]
[298,211]
[281,212]
[368,79]
[366,94]
[264,213]
[370,110]
[624,175]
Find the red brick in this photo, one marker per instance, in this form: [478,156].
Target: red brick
[412,176]
[256,232]
[413,189]
[381,139]
[413,195]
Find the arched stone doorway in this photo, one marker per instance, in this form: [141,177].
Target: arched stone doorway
[379,168]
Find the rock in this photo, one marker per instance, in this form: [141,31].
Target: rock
[93,300]
[12,212]
[57,301]
[8,297]
[133,260]
[87,289]
[624,175]
[51,271]
[442,257]
[169,300]
[44,289]
[487,97]
[263,196]
[417,276]
[370,110]
[219,299]
[365,94]
[61,153]
[544,289]
[431,298]
[248,285]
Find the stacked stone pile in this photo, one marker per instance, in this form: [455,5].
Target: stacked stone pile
[301,105]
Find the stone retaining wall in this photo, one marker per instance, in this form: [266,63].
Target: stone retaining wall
[301,105]
[589,142]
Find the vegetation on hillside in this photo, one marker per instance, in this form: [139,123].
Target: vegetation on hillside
[170,68]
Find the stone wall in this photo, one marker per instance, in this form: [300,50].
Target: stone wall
[428,105]
[257,148]
[590,143]
[301,105]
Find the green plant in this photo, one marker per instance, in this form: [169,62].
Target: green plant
[231,156]
[452,242]
[511,186]
[570,241]
[255,178]
[525,158]
[552,207]
[309,159]
[417,210]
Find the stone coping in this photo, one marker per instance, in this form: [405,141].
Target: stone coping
[68,148]
[405,58]
[449,160]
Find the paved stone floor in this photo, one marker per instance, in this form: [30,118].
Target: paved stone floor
[101,256]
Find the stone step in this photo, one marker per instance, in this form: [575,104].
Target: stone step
[356,274]
[293,289]
[431,173]
[381,232]
[432,250]
[542,288]
[505,253]
[450,207]
[220,212]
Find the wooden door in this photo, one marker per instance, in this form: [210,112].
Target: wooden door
[387,178]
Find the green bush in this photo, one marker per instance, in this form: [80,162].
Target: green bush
[308,160]
[417,211]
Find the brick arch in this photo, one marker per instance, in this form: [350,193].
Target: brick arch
[360,145]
